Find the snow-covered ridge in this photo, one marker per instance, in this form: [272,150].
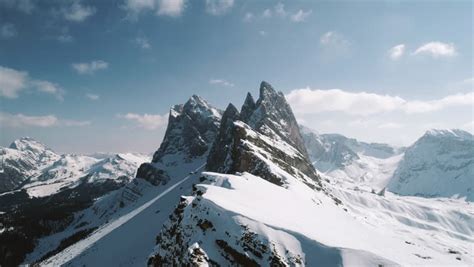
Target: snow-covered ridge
[33,166]
[440,163]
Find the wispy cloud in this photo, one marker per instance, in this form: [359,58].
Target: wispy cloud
[248,17]
[301,15]
[218,7]
[25,6]
[171,8]
[436,50]
[93,97]
[312,101]
[333,39]
[390,125]
[396,52]
[90,67]
[8,31]
[65,38]
[12,82]
[23,121]
[142,42]
[221,82]
[146,121]
[49,88]
[77,12]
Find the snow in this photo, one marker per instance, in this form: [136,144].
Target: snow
[299,211]
[126,240]
[440,163]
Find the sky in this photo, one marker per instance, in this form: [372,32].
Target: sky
[87,76]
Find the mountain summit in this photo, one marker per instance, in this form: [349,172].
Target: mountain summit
[439,164]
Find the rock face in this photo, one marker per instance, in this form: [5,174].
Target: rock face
[439,164]
[192,128]
[272,116]
[262,135]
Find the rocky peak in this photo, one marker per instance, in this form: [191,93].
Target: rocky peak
[219,156]
[264,132]
[191,130]
[248,107]
[272,115]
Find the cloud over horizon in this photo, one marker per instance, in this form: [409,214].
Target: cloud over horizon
[12,82]
[312,101]
[146,121]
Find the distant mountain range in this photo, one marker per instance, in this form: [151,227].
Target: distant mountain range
[241,187]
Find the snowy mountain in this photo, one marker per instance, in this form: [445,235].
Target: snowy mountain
[42,191]
[23,159]
[347,160]
[192,128]
[238,188]
[439,164]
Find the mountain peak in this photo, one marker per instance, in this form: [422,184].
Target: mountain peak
[453,133]
[28,144]
[266,88]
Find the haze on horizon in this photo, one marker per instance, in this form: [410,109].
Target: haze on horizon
[84,76]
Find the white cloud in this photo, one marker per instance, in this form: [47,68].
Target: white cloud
[390,125]
[221,82]
[171,8]
[90,68]
[8,31]
[65,38]
[134,7]
[436,50]
[301,15]
[142,42]
[308,101]
[396,52]
[77,12]
[20,120]
[280,10]
[26,6]
[49,88]
[267,13]
[249,16]
[262,33]
[73,123]
[12,82]
[218,7]
[332,38]
[92,96]
[147,121]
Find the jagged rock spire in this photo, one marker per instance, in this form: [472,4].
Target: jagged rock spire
[219,156]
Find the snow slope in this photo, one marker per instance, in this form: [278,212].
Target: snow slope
[262,221]
[347,160]
[127,239]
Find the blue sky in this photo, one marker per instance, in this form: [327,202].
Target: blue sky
[84,76]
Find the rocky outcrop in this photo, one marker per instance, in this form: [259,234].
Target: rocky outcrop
[263,135]
[192,129]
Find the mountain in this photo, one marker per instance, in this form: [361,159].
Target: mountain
[192,128]
[238,188]
[43,190]
[439,164]
[264,135]
[349,160]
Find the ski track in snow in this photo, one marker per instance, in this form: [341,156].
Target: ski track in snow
[78,248]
